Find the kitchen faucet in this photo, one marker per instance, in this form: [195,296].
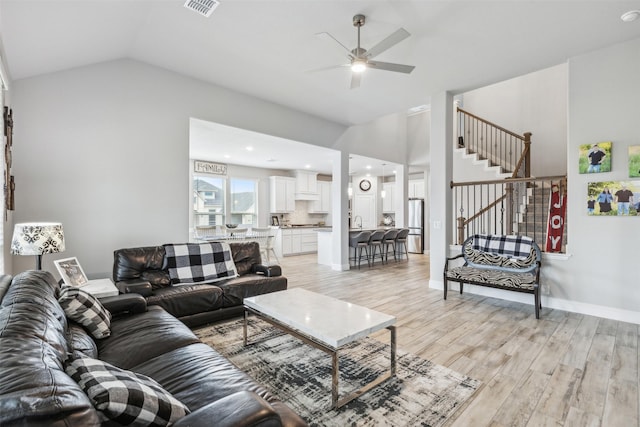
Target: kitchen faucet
[355,221]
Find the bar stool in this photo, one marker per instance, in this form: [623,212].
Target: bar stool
[358,242]
[389,239]
[375,243]
[401,243]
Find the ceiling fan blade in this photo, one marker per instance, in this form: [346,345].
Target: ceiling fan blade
[355,80]
[327,36]
[390,41]
[388,66]
[332,67]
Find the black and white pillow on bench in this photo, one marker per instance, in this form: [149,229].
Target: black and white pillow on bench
[199,262]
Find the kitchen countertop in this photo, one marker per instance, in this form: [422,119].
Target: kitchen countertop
[323,227]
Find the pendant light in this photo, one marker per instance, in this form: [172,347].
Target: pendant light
[383,193]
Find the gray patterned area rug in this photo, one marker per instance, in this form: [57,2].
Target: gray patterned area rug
[421,394]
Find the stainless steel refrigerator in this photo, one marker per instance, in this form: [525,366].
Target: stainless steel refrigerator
[415,240]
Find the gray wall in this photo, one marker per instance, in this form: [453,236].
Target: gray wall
[535,103]
[604,89]
[104,149]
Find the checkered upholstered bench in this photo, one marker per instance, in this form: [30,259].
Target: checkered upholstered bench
[498,261]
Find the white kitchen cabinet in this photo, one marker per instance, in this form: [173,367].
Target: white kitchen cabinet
[388,203]
[282,197]
[297,241]
[323,204]
[416,189]
[306,185]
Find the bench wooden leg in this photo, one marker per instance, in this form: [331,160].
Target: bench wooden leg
[537,302]
[446,286]
[461,287]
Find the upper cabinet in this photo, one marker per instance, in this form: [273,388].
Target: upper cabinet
[306,185]
[416,189]
[323,204]
[282,190]
[388,202]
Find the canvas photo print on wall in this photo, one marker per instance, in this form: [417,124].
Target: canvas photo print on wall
[613,198]
[595,158]
[634,161]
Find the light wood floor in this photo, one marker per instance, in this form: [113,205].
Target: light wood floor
[565,369]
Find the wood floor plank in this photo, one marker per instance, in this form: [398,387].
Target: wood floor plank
[518,408]
[592,391]
[565,369]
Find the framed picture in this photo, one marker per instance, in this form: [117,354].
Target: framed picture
[613,198]
[595,158]
[275,221]
[634,161]
[71,272]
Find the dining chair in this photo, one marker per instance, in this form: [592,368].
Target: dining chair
[264,236]
[204,231]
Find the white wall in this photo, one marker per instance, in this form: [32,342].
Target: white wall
[104,149]
[384,139]
[535,103]
[604,90]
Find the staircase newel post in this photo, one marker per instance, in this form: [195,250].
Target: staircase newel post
[509,214]
[460,230]
[527,160]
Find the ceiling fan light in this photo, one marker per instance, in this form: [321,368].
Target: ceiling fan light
[630,16]
[358,66]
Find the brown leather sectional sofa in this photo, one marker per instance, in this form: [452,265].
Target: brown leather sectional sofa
[143,270]
[36,339]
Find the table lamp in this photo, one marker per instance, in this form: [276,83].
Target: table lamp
[37,238]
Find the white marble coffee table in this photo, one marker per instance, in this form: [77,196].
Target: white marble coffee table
[324,322]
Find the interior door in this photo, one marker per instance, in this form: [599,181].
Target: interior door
[364,206]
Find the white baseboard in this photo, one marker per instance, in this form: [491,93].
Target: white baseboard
[548,302]
[340,267]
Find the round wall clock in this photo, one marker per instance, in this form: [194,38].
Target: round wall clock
[365,185]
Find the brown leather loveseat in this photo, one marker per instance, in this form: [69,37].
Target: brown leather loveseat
[144,271]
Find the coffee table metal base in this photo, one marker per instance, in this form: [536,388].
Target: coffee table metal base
[336,401]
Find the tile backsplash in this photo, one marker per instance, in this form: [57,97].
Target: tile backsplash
[302,216]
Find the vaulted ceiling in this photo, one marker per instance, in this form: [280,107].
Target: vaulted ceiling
[267,48]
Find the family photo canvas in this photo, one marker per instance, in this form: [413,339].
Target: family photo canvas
[613,198]
[595,157]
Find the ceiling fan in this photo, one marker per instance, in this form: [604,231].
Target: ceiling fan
[361,58]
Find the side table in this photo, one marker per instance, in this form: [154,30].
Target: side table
[101,288]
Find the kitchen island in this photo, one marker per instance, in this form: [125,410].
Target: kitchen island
[325,239]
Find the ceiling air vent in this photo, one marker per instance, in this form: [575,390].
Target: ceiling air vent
[203,7]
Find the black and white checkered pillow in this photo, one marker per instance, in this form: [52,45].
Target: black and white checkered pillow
[124,396]
[199,262]
[85,309]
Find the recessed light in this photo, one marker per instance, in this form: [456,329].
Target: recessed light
[395,172]
[249,148]
[368,166]
[226,156]
[307,166]
[630,16]
[368,175]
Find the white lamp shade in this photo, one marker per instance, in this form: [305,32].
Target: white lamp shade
[37,238]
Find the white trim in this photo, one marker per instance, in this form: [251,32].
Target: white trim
[4,81]
[547,302]
[340,267]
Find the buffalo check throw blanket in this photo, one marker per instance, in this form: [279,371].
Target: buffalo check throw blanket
[507,246]
[199,262]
